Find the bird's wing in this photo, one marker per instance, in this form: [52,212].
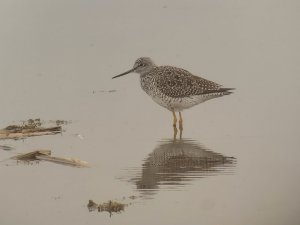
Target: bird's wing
[175,82]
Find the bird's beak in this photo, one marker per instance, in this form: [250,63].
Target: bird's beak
[129,71]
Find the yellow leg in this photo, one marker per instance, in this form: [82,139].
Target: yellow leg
[180,124]
[180,121]
[174,124]
[174,119]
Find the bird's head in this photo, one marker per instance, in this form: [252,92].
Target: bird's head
[141,66]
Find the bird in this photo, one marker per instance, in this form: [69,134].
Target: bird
[173,88]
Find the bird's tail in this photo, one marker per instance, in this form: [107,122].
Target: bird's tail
[227,91]
[220,91]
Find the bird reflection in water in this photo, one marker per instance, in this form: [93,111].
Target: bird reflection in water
[175,163]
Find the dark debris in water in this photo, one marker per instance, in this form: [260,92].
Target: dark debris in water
[45,155]
[104,91]
[60,122]
[29,156]
[26,125]
[6,148]
[110,207]
[31,127]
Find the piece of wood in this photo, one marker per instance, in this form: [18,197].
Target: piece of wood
[45,155]
[64,161]
[15,132]
[31,155]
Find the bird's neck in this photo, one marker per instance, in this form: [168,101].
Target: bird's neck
[147,71]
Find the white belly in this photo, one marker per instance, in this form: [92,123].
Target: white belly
[172,104]
[179,104]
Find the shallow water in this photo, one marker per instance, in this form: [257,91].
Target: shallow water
[239,158]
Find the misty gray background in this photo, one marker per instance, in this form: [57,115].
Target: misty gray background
[56,62]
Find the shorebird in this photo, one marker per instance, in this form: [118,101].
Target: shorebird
[174,88]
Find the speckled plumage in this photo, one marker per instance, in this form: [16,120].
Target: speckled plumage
[178,83]
[177,89]
[174,88]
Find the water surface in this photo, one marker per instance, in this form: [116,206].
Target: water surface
[239,158]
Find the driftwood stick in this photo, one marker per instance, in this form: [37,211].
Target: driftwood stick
[18,133]
[31,155]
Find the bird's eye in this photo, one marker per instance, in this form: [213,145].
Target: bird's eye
[143,64]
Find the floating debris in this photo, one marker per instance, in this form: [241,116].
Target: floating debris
[29,128]
[6,148]
[30,156]
[45,155]
[63,161]
[32,123]
[110,206]
[92,206]
[104,91]
[132,197]
[60,122]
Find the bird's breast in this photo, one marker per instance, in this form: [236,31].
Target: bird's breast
[148,85]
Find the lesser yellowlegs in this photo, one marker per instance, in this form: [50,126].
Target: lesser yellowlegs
[174,88]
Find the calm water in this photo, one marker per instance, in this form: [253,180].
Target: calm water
[239,157]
